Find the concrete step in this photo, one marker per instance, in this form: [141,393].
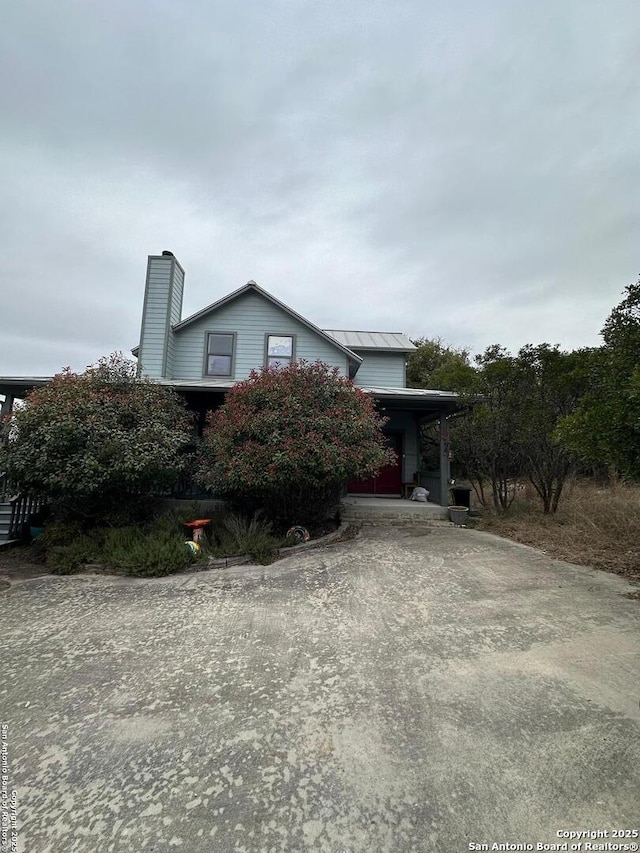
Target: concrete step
[398,521]
[381,512]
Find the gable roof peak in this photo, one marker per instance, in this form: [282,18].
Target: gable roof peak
[251,286]
[251,281]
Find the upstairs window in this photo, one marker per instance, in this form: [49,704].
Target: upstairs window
[280,350]
[219,354]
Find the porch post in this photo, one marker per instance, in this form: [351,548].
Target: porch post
[5,411]
[7,406]
[444,460]
[418,448]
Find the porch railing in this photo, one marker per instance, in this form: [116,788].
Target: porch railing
[5,487]
[21,507]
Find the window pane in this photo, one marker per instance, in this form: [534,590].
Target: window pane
[280,345]
[220,345]
[219,365]
[278,362]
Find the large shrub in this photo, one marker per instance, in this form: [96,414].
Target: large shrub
[97,442]
[289,439]
[154,549]
[153,552]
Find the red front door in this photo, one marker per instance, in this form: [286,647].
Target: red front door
[389,479]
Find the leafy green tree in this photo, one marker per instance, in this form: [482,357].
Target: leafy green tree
[605,428]
[486,441]
[436,365]
[621,331]
[98,441]
[288,439]
[555,383]
[516,403]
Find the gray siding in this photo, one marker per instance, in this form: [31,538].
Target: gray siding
[381,369]
[176,296]
[162,303]
[251,317]
[175,316]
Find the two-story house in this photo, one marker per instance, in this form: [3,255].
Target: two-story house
[203,355]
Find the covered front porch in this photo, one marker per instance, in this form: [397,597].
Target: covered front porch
[412,414]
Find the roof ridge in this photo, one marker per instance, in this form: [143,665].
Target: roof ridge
[367,331]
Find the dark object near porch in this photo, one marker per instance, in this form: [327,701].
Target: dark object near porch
[458,515]
[461,496]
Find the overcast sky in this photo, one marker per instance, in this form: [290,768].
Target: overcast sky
[463,169]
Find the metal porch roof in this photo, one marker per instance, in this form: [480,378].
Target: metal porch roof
[371,340]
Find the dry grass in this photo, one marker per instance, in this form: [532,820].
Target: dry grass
[594,526]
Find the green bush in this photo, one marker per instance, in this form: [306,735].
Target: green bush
[287,440]
[233,534]
[69,559]
[151,550]
[59,533]
[157,548]
[253,536]
[155,552]
[248,532]
[97,444]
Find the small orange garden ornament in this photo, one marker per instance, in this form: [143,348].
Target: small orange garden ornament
[197,527]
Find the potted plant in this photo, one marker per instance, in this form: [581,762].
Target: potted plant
[458,515]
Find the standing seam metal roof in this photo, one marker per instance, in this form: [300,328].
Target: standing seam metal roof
[371,340]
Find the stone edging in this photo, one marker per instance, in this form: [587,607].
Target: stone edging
[244,559]
[315,543]
[220,563]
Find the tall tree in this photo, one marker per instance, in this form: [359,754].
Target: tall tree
[486,442]
[555,382]
[434,364]
[516,403]
[605,428]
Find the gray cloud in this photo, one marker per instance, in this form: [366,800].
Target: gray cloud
[462,170]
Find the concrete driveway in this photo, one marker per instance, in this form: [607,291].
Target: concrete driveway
[401,692]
